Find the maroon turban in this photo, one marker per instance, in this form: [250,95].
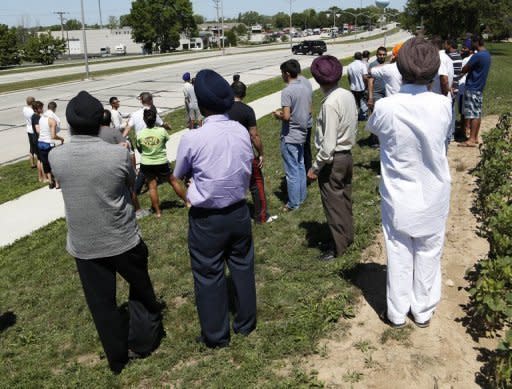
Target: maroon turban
[326,69]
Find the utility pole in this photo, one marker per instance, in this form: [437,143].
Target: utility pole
[86,59]
[99,7]
[217,6]
[222,23]
[291,45]
[61,15]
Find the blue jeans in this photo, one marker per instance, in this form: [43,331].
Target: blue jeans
[293,160]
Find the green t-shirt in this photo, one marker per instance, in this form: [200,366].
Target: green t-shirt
[151,142]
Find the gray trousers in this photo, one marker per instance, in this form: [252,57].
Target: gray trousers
[335,182]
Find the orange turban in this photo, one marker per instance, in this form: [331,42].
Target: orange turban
[397,48]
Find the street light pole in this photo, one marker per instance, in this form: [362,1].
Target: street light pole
[291,25]
[84,37]
[222,24]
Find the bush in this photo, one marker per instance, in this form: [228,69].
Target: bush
[491,291]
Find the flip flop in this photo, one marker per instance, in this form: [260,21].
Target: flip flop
[467,144]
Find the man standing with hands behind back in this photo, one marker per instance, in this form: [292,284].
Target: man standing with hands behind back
[219,157]
[335,135]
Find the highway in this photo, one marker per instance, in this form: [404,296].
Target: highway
[164,82]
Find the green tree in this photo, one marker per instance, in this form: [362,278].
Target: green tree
[454,17]
[281,20]
[158,23]
[251,18]
[113,22]
[231,37]
[124,21]
[199,19]
[43,48]
[72,24]
[9,50]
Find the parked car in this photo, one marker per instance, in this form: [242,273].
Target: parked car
[105,52]
[310,47]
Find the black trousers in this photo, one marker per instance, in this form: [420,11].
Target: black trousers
[335,182]
[144,331]
[307,151]
[217,236]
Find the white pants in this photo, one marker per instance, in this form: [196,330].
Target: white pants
[413,275]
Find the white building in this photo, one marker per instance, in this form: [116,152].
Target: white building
[100,39]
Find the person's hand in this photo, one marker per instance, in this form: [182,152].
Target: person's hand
[260,163]
[370,103]
[278,113]
[188,205]
[312,175]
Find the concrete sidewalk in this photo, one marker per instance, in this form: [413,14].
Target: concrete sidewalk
[28,213]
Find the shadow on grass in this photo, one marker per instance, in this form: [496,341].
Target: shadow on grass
[7,319]
[374,166]
[168,204]
[282,192]
[317,234]
[370,279]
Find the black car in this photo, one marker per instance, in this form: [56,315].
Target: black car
[310,47]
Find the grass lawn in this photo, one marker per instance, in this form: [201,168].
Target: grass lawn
[497,96]
[54,342]
[17,179]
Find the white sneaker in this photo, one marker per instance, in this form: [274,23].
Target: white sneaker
[142,213]
[272,218]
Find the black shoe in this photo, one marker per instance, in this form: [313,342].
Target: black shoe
[328,255]
[384,317]
[202,340]
[424,324]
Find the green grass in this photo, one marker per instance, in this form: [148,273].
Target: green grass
[497,95]
[17,179]
[54,342]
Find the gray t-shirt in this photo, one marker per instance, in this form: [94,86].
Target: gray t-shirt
[379,87]
[298,98]
[111,135]
[304,81]
[95,178]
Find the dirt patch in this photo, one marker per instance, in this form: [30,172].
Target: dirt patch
[89,360]
[441,356]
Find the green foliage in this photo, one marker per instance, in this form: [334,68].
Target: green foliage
[43,48]
[502,362]
[494,196]
[491,294]
[231,37]
[473,16]
[73,24]
[9,54]
[158,23]
[491,291]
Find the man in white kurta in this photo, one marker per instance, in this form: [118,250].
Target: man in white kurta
[415,185]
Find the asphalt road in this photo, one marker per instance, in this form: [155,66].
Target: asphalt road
[164,82]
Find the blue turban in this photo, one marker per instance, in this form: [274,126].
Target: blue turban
[186,76]
[213,91]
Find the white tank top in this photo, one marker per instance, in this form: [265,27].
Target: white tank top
[44,130]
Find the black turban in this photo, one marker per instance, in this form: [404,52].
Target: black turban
[84,113]
[326,69]
[213,92]
[418,61]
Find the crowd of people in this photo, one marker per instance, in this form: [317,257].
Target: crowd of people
[409,104]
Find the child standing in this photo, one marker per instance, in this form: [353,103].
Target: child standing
[151,144]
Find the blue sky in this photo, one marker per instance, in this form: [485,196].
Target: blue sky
[40,12]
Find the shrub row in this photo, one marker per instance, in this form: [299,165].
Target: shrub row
[491,291]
